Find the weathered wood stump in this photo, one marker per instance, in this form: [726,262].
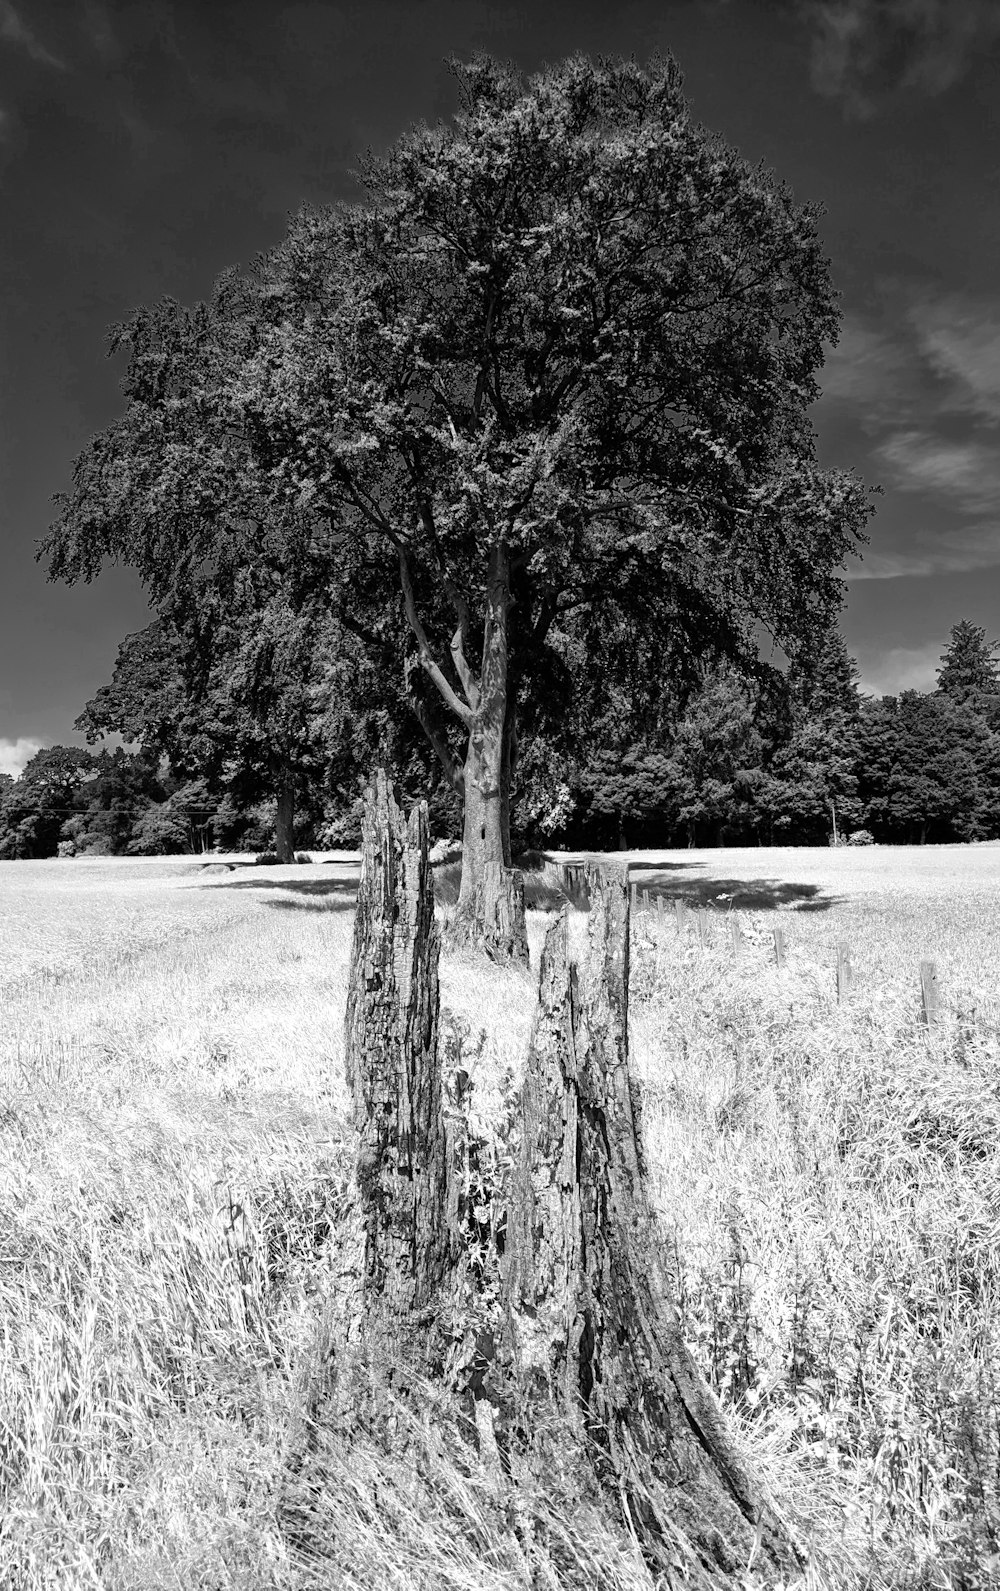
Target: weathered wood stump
[393,1070]
[577,1335]
[592,1326]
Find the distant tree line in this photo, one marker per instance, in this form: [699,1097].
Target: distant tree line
[254,728]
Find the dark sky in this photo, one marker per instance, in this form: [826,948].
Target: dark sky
[146,146]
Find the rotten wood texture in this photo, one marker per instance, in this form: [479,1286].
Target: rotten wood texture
[393,1070]
[591,1327]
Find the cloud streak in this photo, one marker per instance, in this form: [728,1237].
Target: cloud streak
[863,50]
[902,668]
[973,547]
[15,753]
[14,30]
[922,378]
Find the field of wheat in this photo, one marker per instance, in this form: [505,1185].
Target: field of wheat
[175,1149]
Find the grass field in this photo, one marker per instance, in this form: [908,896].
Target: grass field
[174,1154]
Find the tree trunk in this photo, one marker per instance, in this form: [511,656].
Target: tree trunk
[490,909]
[284,822]
[592,1327]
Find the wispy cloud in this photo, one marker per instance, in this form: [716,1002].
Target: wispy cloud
[863,49]
[14,30]
[959,338]
[957,552]
[869,370]
[98,29]
[902,668]
[922,378]
[965,473]
[15,753]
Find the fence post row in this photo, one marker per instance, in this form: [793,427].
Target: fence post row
[930,992]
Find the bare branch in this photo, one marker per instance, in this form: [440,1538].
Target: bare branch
[434,730]
[459,642]
[430,666]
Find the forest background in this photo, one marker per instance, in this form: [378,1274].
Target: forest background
[259,737]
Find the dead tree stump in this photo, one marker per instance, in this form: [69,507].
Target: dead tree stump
[575,1332]
[393,1070]
[591,1324]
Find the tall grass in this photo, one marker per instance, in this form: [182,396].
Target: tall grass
[174,1173]
[829,1182]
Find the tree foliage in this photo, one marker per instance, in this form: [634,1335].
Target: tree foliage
[561,355]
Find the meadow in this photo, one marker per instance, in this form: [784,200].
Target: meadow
[175,1151]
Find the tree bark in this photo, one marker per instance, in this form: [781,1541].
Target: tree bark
[490,908]
[284,822]
[393,1070]
[572,1334]
[591,1325]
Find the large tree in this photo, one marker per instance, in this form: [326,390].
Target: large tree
[970,670]
[563,351]
[811,791]
[233,692]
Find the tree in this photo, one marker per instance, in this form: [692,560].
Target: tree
[921,758]
[123,786]
[970,671]
[715,761]
[812,786]
[562,354]
[230,693]
[38,803]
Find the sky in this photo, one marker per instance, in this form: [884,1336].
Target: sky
[146,145]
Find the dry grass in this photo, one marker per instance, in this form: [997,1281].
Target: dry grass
[174,1158]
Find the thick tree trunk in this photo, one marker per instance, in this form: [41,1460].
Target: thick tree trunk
[284,822]
[490,909]
[592,1327]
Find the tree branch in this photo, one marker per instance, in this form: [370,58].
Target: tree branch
[459,642]
[434,730]
[433,669]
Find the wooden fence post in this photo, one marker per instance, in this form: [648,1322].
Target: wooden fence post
[659,909]
[845,974]
[930,993]
[703,926]
[779,948]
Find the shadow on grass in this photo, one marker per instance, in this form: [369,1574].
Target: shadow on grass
[543,891]
[735,894]
[311,894]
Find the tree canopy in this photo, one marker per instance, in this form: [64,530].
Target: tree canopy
[561,354]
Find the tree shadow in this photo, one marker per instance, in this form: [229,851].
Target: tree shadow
[731,894]
[545,891]
[309,894]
